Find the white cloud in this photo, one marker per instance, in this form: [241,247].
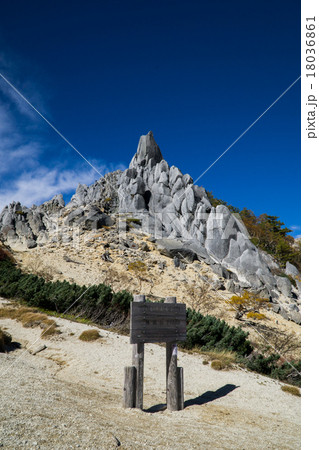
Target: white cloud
[29,169]
[35,187]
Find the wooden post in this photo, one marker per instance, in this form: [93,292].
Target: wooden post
[180,382]
[129,395]
[138,363]
[171,371]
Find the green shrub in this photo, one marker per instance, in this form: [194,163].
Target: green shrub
[272,367]
[97,302]
[210,333]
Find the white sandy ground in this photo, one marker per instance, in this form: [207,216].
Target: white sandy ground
[70,396]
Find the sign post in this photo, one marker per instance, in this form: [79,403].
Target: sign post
[171,371]
[138,362]
[155,322]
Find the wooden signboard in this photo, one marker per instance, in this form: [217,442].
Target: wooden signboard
[157,322]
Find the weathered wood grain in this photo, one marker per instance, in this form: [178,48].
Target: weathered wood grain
[138,361]
[157,322]
[129,393]
[180,387]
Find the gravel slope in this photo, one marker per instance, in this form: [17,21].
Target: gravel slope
[70,394]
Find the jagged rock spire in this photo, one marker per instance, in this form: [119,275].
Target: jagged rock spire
[169,206]
[147,150]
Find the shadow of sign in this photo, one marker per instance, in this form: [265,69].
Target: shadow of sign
[209,396]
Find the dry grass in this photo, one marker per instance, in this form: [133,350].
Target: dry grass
[30,318]
[50,330]
[37,267]
[199,295]
[89,335]
[286,343]
[219,360]
[114,277]
[293,390]
[222,360]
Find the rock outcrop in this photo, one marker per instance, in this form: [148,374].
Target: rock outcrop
[168,206]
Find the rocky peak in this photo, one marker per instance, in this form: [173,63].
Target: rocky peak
[171,209]
[148,152]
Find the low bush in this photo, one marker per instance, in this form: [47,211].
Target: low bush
[293,390]
[89,335]
[224,359]
[273,367]
[250,304]
[209,333]
[216,364]
[98,303]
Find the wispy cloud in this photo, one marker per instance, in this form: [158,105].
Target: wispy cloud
[16,151]
[13,69]
[33,168]
[35,187]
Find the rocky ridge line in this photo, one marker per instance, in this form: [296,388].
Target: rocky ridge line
[169,207]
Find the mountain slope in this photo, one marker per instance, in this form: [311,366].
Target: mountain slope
[165,204]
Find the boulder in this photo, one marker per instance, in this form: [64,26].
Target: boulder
[172,248]
[107,257]
[219,270]
[284,313]
[291,270]
[31,243]
[218,285]
[276,308]
[284,285]
[230,286]
[295,316]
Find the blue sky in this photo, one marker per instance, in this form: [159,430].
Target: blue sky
[195,73]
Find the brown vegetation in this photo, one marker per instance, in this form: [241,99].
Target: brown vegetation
[199,296]
[293,390]
[30,318]
[139,268]
[89,335]
[36,267]
[219,360]
[5,253]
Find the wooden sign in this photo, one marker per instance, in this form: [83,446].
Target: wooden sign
[157,322]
